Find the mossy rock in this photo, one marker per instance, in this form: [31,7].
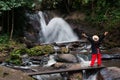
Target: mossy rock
[40,50]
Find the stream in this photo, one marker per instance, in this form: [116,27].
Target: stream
[46,63]
[59,31]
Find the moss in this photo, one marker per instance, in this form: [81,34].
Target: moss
[15,54]
[14,58]
[64,50]
[40,50]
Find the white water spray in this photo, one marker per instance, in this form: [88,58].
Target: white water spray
[51,61]
[83,62]
[57,30]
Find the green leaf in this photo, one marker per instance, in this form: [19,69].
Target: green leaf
[33,5]
[40,0]
[86,1]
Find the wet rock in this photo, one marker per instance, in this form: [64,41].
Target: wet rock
[39,59]
[112,51]
[75,66]
[66,58]
[110,73]
[29,43]
[59,65]
[49,77]
[11,74]
[115,50]
[32,27]
[106,56]
[110,56]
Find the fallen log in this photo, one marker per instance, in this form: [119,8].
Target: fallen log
[63,70]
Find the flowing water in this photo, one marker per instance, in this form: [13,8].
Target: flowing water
[57,30]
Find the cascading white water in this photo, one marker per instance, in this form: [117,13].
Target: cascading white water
[57,30]
[83,62]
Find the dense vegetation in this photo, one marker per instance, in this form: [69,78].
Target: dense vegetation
[103,14]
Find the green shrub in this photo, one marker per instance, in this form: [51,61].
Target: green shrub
[40,50]
[15,56]
[14,59]
[4,38]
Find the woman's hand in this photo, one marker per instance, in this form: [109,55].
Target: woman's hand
[83,34]
[105,33]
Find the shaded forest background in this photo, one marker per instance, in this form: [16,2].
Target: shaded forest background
[102,15]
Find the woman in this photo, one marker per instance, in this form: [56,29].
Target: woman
[95,41]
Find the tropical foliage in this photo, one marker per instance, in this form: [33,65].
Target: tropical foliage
[100,12]
[17,52]
[9,6]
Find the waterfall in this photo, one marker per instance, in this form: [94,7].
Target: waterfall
[57,30]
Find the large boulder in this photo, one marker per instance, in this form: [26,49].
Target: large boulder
[11,74]
[66,58]
[110,73]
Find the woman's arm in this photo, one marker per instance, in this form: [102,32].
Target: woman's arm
[103,36]
[83,34]
[86,36]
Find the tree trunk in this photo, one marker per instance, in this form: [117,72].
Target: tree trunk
[68,5]
[12,29]
[8,22]
[2,24]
